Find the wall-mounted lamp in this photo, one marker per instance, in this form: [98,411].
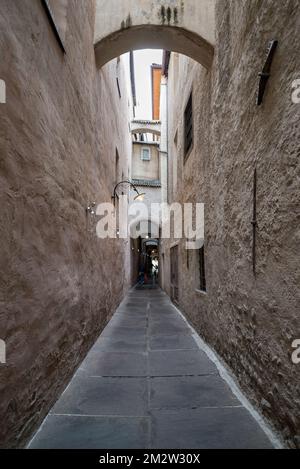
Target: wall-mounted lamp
[90,209]
[140,196]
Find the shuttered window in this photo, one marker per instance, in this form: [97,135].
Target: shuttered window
[188,127]
[202,270]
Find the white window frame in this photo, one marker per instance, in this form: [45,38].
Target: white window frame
[142,154]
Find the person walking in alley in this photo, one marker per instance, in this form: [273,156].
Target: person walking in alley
[141,280]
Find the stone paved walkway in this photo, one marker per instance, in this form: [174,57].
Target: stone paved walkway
[146,384]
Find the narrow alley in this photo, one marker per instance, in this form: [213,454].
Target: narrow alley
[149,225]
[146,384]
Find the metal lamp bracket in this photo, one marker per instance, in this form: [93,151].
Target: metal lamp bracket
[265,74]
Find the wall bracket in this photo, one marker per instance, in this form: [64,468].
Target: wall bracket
[265,74]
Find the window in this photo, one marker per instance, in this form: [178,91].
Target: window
[119,89]
[146,155]
[118,76]
[187,259]
[188,127]
[117,167]
[202,270]
[56,11]
[174,162]
[174,274]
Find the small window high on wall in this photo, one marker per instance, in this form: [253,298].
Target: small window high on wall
[56,11]
[202,277]
[188,127]
[117,168]
[146,155]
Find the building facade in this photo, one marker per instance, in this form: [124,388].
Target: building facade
[65,143]
[146,177]
[62,126]
[241,290]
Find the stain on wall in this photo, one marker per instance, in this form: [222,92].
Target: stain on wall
[162,14]
[175,12]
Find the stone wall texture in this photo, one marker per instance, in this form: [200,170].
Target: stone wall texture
[59,132]
[250,321]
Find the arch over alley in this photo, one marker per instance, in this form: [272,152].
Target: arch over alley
[144,126]
[184,26]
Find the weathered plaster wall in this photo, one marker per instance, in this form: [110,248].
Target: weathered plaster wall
[143,169]
[58,282]
[250,321]
[187,26]
[152,195]
[189,14]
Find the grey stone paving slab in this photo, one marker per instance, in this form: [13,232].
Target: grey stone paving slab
[168,320]
[73,432]
[127,321]
[131,331]
[121,344]
[162,312]
[190,392]
[133,313]
[136,305]
[139,306]
[100,363]
[104,396]
[113,403]
[130,315]
[182,362]
[123,335]
[219,428]
[167,328]
[167,316]
[172,342]
[121,331]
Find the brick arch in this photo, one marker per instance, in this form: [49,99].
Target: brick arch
[184,26]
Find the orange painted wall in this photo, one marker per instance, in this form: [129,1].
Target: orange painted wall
[156,78]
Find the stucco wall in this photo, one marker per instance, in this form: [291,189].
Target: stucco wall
[155,81]
[142,169]
[187,26]
[58,282]
[251,322]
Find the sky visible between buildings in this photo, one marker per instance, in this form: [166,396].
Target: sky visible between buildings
[143,59]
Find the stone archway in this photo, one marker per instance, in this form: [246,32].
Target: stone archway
[184,26]
[144,126]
